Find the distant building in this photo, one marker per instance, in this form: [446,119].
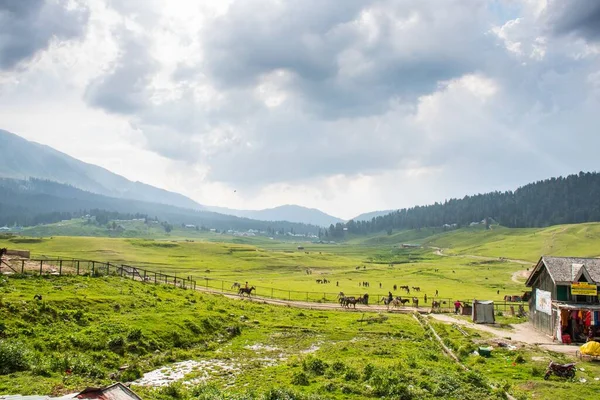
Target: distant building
[190,226]
[410,246]
[564,299]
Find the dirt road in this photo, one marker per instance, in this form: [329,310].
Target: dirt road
[440,252]
[522,333]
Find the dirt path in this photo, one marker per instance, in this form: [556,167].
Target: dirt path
[440,252]
[523,333]
[523,274]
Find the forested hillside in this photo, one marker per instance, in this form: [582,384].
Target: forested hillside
[35,201]
[574,199]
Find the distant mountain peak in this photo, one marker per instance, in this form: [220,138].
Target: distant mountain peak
[286,212]
[23,159]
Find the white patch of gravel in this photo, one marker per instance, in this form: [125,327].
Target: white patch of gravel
[164,376]
[262,347]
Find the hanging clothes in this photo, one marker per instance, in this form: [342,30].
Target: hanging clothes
[587,318]
[564,318]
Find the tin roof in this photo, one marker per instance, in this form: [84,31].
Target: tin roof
[566,269]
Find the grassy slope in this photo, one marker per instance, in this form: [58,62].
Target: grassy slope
[525,244]
[174,324]
[323,354]
[280,267]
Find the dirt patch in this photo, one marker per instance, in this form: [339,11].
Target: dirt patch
[520,276]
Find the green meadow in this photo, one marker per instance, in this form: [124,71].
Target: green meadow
[95,330]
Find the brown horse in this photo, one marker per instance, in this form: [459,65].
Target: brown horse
[236,285]
[247,291]
[3,251]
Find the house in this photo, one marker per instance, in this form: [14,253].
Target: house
[564,299]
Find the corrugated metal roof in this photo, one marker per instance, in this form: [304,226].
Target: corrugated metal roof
[566,269]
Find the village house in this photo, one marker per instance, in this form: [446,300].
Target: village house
[564,299]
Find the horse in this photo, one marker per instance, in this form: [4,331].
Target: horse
[402,301]
[365,299]
[416,288]
[415,301]
[351,300]
[37,297]
[236,285]
[319,280]
[3,251]
[386,300]
[247,291]
[435,305]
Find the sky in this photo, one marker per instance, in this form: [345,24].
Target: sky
[347,106]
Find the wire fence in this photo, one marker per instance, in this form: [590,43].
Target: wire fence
[68,266]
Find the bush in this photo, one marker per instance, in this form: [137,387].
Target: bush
[131,374]
[13,358]
[134,334]
[351,375]
[537,371]
[300,379]
[519,359]
[368,371]
[314,366]
[116,343]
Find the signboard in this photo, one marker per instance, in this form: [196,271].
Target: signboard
[543,301]
[584,289]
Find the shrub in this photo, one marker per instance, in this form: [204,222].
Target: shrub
[13,358]
[351,375]
[314,366]
[519,358]
[338,367]
[300,379]
[537,371]
[131,374]
[134,334]
[368,371]
[116,343]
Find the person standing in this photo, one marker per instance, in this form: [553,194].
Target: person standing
[457,306]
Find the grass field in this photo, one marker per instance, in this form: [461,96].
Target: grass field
[102,329]
[277,267]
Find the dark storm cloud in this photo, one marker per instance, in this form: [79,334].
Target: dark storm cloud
[348,60]
[124,89]
[579,17]
[28,26]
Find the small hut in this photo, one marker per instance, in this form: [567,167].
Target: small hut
[483,312]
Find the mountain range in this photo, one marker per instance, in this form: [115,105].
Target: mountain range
[22,159]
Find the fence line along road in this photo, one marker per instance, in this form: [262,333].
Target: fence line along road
[70,266]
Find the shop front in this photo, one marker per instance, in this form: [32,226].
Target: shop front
[576,323]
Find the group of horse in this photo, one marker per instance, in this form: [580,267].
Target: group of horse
[347,301]
[243,290]
[323,281]
[407,288]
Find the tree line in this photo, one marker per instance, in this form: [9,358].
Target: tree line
[562,200]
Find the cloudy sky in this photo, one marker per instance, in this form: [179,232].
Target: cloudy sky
[348,105]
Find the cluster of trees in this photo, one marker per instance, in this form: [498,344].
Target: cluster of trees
[573,199]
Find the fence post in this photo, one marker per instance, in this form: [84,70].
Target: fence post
[222,286]
[289,295]
[155,278]
[22,267]
[272,293]
[60,267]
[93,268]
[107,268]
[77,267]
[144,275]
[41,264]
[194,284]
